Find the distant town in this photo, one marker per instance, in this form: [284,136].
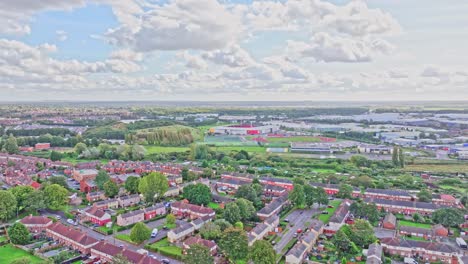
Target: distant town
[207,183]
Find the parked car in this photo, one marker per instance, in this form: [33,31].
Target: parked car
[325,212]
[286,220]
[330,206]
[165,261]
[295,235]
[58,217]
[70,221]
[154,233]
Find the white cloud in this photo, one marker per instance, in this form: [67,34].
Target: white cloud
[326,48]
[61,35]
[233,56]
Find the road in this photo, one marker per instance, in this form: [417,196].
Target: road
[297,220]
[111,239]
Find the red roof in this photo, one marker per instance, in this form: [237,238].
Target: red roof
[197,240]
[35,220]
[35,185]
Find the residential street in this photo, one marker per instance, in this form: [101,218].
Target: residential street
[297,220]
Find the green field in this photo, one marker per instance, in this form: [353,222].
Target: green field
[413,224]
[292,139]
[76,160]
[213,205]
[8,253]
[326,217]
[253,149]
[160,149]
[124,237]
[164,247]
[441,168]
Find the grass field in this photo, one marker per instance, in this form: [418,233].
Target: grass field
[76,160]
[124,237]
[160,149]
[163,246]
[326,217]
[8,253]
[292,139]
[413,224]
[213,205]
[441,168]
[253,149]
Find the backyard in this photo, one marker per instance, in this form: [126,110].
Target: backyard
[164,247]
[326,217]
[413,224]
[8,253]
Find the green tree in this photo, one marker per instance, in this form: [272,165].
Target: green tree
[55,196]
[321,196]
[359,161]
[395,160]
[449,217]
[343,244]
[234,243]
[424,195]
[140,232]
[170,220]
[345,191]
[7,205]
[11,145]
[153,185]
[21,193]
[232,213]
[365,210]
[80,148]
[60,180]
[19,234]
[223,224]
[198,254]
[131,184]
[262,252]
[246,209]
[199,152]
[361,233]
[198,193]
[363,181]
[55,155]
[401,158]
[251,193]
[297,196]
[210,231]
[101,178]
[35,201]
[111,189]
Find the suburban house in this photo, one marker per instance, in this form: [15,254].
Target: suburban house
[187,229]
[71,237]
[375,149]
[200,241]
[131,218]
[338,219]
[129,200]
[84,175]
[374,254]
[104,252]
[297,254]
[182,209]
[36,224]
[333,189]
[107,204]
[233,184]
[445,199]
[388,194]
[95,196]
[428,251]
[153,211]
[88,186]
[273,190]
[262,229]
[389,221]
[172,191]
[405,207]
[238,176]
[272,208]
[415,232]
[284,183]
[96,216]
[41,146]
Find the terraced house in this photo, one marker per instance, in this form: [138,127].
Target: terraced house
[405,207]
[192,211]
[71,237]
[427,251]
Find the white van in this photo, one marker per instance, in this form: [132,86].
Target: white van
[154,233]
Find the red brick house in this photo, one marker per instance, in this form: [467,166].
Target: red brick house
[333,189]
[439,230]
[284,183]
[192,211]
[36,224]
[95,196]
[96,216]
[200,241]
[105,252]
[84,175]
[155,210]
[71,237]
[389,221]
[428,251]
[87,186]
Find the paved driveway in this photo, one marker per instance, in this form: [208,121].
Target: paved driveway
[297,220]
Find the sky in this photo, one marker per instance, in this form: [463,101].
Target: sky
[233,50]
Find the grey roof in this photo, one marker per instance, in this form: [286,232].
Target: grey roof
[410,204]
[388,192]
[275,179]
[316,225]
[270,220]
[132,213]
[341,213]
[298,250]
[258,229]
[374,251]
[182,228]
[390,218]
[309,237]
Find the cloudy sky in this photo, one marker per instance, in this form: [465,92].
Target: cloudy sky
[233,50]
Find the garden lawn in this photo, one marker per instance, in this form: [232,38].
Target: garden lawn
[413,224]
[251,149]
[8,253]
[160,149]
[213,205]
[164,247]
[125,237]
[326,217]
